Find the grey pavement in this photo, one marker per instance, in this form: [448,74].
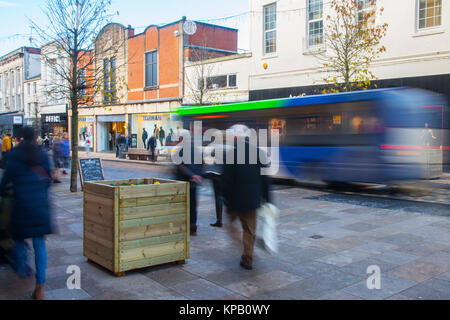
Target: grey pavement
[327,242]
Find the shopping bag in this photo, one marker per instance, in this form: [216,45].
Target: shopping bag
[266,227]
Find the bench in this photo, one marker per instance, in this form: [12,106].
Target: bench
[138,154]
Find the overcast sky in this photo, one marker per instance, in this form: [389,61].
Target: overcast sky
[15,28]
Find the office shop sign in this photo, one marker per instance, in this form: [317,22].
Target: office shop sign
[52,119]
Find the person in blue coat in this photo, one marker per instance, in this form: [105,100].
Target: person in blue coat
[28,174]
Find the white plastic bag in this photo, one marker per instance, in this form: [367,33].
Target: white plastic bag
[266,227]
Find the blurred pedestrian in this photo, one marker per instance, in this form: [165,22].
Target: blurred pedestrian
[191,172]
[244,189]
[65,151]
[46,143]
[214,172]
[162,135]
[121,142]
[6,148]
[29,173]
[144,138]
[57,160]
[88,145]
[151,145]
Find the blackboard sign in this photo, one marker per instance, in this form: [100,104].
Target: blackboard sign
[91,170]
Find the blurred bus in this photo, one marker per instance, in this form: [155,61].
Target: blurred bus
[372,136]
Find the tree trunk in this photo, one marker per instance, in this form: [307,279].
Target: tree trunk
[74,146]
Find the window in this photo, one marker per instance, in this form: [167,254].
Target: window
[113,79]
[364,8]
[106,80]
[270,26]
[315,22]
[151,69]
[12,82]
[429,13]
[29,110]
[82,82]
[226,81]
[34,87]
[18,102]
[18,80]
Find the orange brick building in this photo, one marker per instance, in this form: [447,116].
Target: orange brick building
[154,70]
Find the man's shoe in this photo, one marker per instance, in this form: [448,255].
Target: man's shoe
[216,224]
[245,266]
[38,293]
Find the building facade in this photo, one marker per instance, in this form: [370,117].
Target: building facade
[288,33]
[16,67]
[53,100]
[143,79]
[31,97]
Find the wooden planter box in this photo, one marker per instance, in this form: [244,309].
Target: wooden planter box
[136,225]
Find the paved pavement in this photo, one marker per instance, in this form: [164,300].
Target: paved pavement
[327,241]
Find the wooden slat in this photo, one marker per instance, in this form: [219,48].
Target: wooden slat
[98,249]
[95,198]
[98,259]
[104,242]
[101,189]
[153,220]
[92,217]
[152,211]
[151,251]
[98,230]
[155,230]
[139,202]
[152,261]
[152,190]
[141,243]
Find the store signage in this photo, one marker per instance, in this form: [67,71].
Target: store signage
[87,119]
[52,119]
[152,118]
[17,120]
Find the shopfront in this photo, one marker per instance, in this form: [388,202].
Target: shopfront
[108,129]
[150,122]
[11,123]
[85,131]
[54,124]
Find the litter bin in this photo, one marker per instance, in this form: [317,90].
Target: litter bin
[122,149]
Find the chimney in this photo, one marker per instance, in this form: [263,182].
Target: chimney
[130,31]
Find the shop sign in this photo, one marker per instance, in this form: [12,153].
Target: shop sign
[30,122]
[152,118]
[17,120]
[86,119]
[52,119]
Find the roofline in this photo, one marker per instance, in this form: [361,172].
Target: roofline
[19,50]
[178,21]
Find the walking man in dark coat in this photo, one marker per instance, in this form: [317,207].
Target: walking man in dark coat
[244,190]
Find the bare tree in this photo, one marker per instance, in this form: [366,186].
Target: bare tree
[352,39]
[72,30]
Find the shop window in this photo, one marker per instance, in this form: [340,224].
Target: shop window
[315,22]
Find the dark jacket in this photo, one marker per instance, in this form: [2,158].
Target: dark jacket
[185,171]
[243,186]
[151,143]
[121,140]
[31,210]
